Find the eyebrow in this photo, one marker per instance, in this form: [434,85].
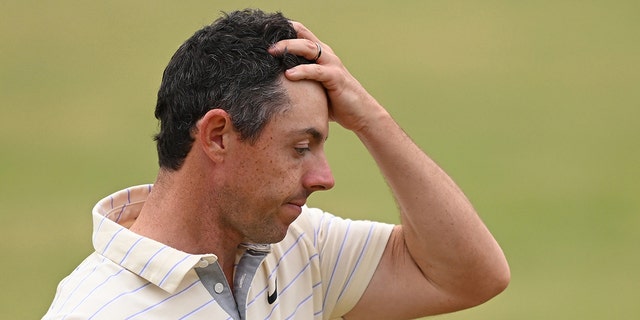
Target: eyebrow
[315,134]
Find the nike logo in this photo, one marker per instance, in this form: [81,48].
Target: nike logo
[271,298]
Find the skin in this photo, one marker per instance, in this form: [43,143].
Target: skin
[225,194]
[441,258]
[260,196]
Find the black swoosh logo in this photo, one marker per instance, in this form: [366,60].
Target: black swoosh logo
[271,298]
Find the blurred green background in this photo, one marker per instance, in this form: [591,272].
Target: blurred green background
[532,106]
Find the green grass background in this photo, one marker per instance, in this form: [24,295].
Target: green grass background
[532,106]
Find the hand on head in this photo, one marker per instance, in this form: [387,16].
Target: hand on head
[350,104]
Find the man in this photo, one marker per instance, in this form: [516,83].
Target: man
[224,232]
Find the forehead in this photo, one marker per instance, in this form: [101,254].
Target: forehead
[307,112]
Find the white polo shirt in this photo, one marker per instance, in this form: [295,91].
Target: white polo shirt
[319,271]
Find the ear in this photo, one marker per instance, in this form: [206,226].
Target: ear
[214,130]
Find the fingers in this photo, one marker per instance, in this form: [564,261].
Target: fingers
[308,49]
[319,52]
[307,45]
[303,32]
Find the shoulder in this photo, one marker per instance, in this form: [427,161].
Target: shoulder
[324,226]
[318,231]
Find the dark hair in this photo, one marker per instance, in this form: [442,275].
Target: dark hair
[223,66]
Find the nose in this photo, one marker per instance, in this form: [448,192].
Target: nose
[319,177]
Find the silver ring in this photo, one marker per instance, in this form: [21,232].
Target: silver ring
[319,52]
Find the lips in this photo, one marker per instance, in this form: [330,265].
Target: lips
[298,203]
[296,207]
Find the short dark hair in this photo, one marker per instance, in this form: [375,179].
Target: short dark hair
[226,66]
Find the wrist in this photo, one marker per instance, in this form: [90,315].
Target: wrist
[373,119]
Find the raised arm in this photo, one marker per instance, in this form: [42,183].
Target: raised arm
[441,258]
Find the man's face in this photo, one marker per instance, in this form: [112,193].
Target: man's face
[266,183]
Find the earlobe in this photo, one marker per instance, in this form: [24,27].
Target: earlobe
[213,133]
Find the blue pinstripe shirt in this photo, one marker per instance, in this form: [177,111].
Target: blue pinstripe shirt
[319,271]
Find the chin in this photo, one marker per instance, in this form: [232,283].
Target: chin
[282,233]
[278,239]
[270,233]
[275,230]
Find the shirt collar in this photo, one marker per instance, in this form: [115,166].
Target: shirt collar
[158,263]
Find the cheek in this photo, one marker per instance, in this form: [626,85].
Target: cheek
[279,174]
[264,167]
[279,178]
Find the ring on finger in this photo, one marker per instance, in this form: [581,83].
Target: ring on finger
[319,52]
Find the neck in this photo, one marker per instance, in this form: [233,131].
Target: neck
[176,214]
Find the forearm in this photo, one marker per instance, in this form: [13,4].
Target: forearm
[442,258]
[441,230]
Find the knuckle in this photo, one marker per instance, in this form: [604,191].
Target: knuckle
[318,69]
[311,45]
